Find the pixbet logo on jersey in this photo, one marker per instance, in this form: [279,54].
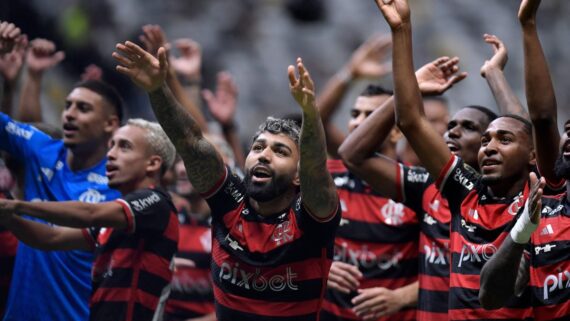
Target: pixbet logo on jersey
[363,257]
[555,282]
[233,273]
[436,254]
[476,253]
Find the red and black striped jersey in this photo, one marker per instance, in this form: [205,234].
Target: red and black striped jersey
[132,268]
[191,293]
[377,235]
[8,246]
[267,267]
[417,191]
[550,260]
[479,224]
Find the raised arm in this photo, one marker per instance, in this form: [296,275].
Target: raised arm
[41,57]
[153,38]
[204,165]
[45,237]
[365,62]
[71,214]
[359,148]
[222,106]
[317,187]
[426,142]
[505,274]
[492,71]
[540,95]
[13,48]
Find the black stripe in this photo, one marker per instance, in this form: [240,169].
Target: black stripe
[142,313]
[200,259]
[151,283]
[108,310]
[466,262]
[119,278]
[378,233]
[404,268]
[554,293]
[226,314]
[435,231]
[432,269]
[433,301]
[460,298]
[480,235]
[192,296]
[556,255]
[181,315]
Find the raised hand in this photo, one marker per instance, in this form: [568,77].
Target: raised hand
[302,88]
[366,61]
[42,56]
[438,76]
[396,12]
[373,303]
[144,69]
[190,60]
[535,197]
[9,33]
[500,54]
[153,38]
[223,104]
[12,62]
[92,72]
[344,277]
[527,11]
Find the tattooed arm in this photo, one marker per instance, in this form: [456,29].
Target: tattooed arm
[317,187]
[203,163]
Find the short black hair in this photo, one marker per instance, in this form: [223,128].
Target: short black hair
[275,126]
[527,125]
[375,90]
[108,92]
[488,112]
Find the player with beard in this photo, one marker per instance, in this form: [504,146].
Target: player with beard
[544,229]
[134,238]
[272,233]
[482,205]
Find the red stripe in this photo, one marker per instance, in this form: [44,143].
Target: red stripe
[445,171]
[371,209]
[466,281]
[429,241]
[187,306]
[138,259]
[499,314]
[217,185]
[431,316]
[134,281]
[129,296]
[336,166]
[309,269]
[433,283]
[265,308]
[171,231]
[128,215]
[8,244]
[551,312]
[189,238]
[89,239]
[457,241]
[325,266]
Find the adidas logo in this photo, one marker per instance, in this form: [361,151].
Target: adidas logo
[547,230]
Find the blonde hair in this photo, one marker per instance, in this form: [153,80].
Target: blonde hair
[158,141]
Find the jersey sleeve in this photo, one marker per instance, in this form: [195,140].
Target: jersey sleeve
[456,180]
[411,182]
[90,234]
[146,210]
[228,194]
[19,139]
[321,230]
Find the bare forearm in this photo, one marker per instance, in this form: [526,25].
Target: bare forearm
[72,214]
[365,140]
[499,275]
[41,236]
[328,103]
[189,104]
[204,165]
[507,101]
[313,172]
[29,109]
[7,98]
[409,294]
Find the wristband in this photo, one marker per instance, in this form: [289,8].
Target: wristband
[523,227]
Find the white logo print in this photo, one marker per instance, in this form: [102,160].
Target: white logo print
[47,172]
[233,243]
[428,219]
[470,228]
[547,230]
[464,181]
[417,177]
[393,213]
[476,253]
[365,258]
[282,233]
[142,204]
[96,178]
[13,129]
[434,205]
[256,281]
[92,196]
[555,282]
[544,249]
[436,254]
